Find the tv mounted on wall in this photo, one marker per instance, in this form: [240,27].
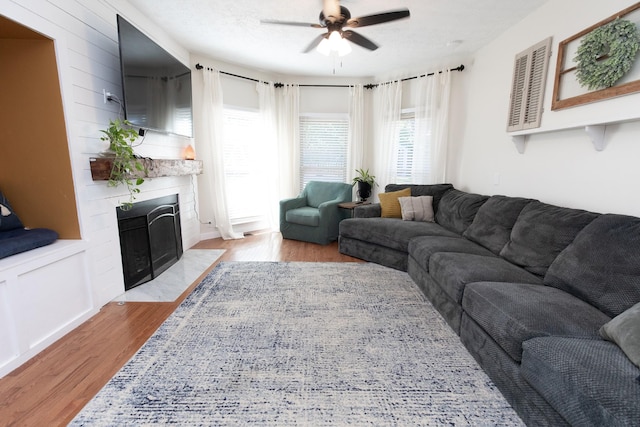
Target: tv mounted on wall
[156,86]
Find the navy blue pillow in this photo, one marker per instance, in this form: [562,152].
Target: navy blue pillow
[8,219]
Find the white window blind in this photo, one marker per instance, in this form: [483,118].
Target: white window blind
[323,148]
[405,137]
[242,165]
[527,87]
[413,163]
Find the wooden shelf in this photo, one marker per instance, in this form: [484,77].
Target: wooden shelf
[595,131]
[101,168]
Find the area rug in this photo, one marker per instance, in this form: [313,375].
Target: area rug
[278,344]
[169,285]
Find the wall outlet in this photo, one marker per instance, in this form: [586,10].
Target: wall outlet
[106,96]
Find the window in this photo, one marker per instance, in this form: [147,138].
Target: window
[243,163]
[413,162]
[527,87]
[323,148]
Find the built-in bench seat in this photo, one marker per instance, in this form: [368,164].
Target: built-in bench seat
[22,240]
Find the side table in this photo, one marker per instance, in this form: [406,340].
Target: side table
[350,206]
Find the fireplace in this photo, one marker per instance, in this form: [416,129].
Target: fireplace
[150,239]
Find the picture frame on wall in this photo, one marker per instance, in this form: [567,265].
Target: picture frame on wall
[570,88]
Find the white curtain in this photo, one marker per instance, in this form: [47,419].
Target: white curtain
[211,149]
[288,107]
[431,131]
[355,151]
[387,104]
[279,111]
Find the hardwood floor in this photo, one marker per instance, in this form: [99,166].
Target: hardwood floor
[55,385]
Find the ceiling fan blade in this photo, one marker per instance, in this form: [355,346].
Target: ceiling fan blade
[359,40]
[331,10]
[378,18]
[296,24]
[314,43]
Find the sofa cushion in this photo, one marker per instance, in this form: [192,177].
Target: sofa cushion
[8,219]
[422,248]
[624,330]
[589,382]
[418,208]
[541,232]
[304,216]
[492,225]
[512,313]
[389,204]
[21,240]
[453,271]
[435,190]
[457,209]
[602,265]
[390,232]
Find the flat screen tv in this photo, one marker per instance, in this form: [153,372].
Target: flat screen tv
[156,86]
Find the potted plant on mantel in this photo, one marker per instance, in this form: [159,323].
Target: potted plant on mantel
[121,137]
[365,182]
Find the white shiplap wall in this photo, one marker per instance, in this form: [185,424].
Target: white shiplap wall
[86,42]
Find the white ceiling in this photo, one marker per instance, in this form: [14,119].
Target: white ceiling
[438,33]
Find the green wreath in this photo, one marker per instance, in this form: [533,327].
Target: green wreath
[606,54]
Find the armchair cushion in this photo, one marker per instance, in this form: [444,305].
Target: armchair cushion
[304,216]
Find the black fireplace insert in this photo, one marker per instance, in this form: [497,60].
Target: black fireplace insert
[150,239]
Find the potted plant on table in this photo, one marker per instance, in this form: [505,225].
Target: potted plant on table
[365,182]
[126,164]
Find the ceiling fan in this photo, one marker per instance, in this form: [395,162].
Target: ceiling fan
[335,18]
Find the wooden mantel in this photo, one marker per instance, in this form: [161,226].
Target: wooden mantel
[101,167]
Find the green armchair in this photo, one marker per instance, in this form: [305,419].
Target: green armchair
[314,215]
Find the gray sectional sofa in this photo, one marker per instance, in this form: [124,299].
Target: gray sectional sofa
[527,287]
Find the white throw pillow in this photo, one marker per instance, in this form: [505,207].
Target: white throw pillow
[419,208]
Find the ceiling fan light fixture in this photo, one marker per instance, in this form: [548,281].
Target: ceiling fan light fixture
[345,48]
[335,40]
[334,43]
[324,47]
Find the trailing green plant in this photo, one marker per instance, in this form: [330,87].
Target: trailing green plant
[364,176]
[126,164]
[606,54]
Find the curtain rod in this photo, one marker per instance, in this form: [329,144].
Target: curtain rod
[368,86]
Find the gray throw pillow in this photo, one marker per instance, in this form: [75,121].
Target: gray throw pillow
[624,330]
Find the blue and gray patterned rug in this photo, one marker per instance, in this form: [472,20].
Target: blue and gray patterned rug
[275,344]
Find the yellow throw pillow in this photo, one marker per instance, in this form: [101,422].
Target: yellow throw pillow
[389,204]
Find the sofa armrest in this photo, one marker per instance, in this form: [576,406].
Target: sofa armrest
[367,211]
